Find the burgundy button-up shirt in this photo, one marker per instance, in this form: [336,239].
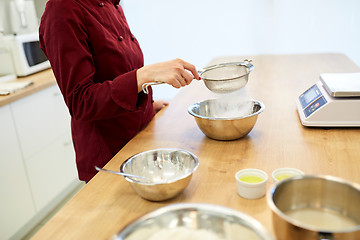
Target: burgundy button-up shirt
[94,57]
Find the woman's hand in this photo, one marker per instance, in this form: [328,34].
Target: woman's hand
[159,104]
[177,73]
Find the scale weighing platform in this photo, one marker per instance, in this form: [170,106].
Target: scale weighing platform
[334,101]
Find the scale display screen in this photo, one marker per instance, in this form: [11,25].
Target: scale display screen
[309,96]
[314,106]
[311,100]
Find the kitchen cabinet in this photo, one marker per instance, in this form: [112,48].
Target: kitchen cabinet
[51,170]
[17,205]
[40,119]
[37,157]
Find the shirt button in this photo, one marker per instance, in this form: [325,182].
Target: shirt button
[120,38]
[101,4]
[133,37]
[117,6]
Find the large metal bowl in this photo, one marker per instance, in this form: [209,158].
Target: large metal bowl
[169,170]
[194,221]
[315,207]
[222,119]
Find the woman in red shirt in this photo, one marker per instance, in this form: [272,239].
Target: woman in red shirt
[99,67]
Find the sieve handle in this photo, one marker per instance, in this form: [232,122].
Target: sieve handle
[247,63]
[146,85]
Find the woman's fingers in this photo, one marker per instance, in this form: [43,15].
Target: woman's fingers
[187,77]
[187,72]
[192,69]
[179,77]
[179,81]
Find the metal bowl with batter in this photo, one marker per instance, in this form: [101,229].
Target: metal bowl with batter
[194,221]
[169,170]
[315,207]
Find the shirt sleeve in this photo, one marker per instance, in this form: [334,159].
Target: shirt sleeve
[64,40]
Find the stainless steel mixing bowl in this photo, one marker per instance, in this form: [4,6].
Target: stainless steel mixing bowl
[315,207]
[194,219]
[223,119]
[170,171]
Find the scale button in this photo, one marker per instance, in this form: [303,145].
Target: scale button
[316,105]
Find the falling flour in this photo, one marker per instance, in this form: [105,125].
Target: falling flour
[237,104]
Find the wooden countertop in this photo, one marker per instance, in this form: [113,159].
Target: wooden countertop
[41,80]
[107,203]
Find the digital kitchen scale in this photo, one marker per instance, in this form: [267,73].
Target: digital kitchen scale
[334,101]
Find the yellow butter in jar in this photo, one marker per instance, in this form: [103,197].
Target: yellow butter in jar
[284,176]
[251,179]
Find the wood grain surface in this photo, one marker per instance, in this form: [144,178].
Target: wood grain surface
[41,80]
[107,203]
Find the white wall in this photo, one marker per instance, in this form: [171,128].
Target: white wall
[199,30]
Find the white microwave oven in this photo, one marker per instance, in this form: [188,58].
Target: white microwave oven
[27,57]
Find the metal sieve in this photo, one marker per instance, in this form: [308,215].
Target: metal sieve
[221,78]
[226,77]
